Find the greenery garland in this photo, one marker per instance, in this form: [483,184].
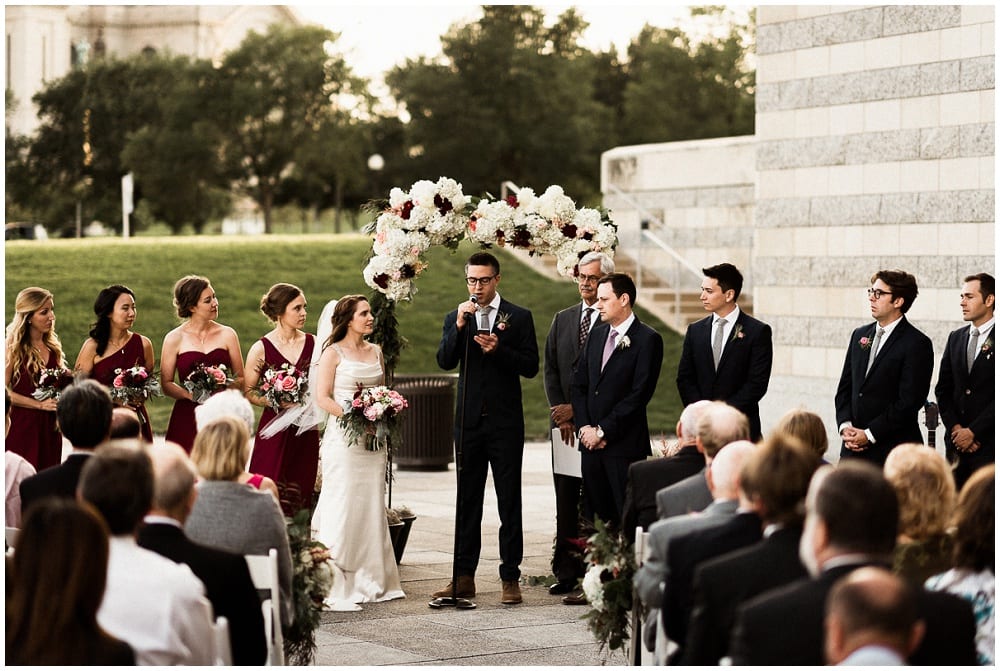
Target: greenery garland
[312,578]
[608,586]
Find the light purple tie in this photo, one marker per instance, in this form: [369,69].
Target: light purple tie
[609,347]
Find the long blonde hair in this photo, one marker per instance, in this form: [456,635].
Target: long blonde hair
[221,449]
[19,348]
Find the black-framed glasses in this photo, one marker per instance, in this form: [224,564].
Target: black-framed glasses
[481,281]
[878,293]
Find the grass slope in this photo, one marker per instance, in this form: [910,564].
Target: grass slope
[324,266]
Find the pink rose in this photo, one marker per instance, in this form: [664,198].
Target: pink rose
[265,386]
[119,382]
[219,376]
[287,383]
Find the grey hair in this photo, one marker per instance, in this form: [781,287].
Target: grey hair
[607,263]
[229,403]
[690,417]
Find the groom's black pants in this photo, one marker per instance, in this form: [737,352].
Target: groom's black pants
[501,449]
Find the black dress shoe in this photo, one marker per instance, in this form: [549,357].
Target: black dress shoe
[562,587]
[577,599]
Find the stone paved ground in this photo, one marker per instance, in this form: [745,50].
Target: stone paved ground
[539,632]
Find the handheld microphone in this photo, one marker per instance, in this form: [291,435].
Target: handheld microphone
[473,299]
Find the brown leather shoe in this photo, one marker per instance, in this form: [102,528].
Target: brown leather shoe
[511,592]
[576,599]
[465,589]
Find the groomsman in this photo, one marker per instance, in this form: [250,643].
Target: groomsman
[727,355]
[493,341]
[887,374]
[613,383]
[966,388]
[567,335]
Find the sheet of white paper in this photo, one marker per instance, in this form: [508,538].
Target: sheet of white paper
[565,458]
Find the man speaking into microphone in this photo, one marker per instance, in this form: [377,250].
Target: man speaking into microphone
[493,343]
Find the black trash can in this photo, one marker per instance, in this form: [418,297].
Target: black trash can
[428,424]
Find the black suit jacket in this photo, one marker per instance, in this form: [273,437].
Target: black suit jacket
[227,585]
[645,478]
[491,383]
[744,369]
[886,400]
[966,397]
[58,481]
[723,583]
[616,398]
[784,626]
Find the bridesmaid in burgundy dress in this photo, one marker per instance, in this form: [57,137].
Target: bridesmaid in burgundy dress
[199,340]
[32,345]
[112,345]
[290,457]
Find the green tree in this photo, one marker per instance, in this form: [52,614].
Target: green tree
[275,94]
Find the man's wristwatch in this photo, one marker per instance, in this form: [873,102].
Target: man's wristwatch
[600,432]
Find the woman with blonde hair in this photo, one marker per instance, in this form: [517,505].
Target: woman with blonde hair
[807,427]
[925,489]
[230,515]
[33,346]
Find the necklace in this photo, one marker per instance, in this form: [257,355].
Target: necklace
[286,342]
[199,338]
[120,344]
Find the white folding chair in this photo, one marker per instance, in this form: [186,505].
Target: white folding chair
[223,647]
[264,573]
[637,653]
[12,533]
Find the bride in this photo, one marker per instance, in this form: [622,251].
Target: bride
[350,515]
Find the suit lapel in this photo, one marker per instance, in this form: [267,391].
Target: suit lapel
[981,356]
[861,362]
[897,334]
[703,344]
[734,337]
[618,351]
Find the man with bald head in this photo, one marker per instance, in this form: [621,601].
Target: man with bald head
[225,575]
[871,620]
[718,425]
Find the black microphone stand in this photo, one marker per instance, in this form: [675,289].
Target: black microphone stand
[454,600]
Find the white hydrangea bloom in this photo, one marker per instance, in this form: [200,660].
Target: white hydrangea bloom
[593,588]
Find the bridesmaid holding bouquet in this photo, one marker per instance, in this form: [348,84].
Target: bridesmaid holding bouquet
[113,347]
[35,372]
[286,447]
[204,355]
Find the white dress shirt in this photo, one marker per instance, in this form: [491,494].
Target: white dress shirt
[727,330]
[983,332]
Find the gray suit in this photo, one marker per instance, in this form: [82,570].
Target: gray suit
[687,496]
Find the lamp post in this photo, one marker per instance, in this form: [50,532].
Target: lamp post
[375,165]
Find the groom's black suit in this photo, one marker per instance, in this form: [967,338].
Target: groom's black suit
[493,435]
[615,399]
[744,368]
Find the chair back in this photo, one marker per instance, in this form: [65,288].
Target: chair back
[264,573]
[223,646]
[11,537]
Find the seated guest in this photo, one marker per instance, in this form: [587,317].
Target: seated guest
[16,469]
[647,477]
[926,492]
[973,576]
[851,521]
[156,606]
[807,427]
[228,513]
[84,414]
[59,572]
[719,425]
[774,483]
[871,620]
[225,575]
[124,423]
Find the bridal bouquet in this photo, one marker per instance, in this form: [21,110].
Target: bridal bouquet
[373,414]
[206,380]
[134,385]
[51,382]
[608,587]
[282,384]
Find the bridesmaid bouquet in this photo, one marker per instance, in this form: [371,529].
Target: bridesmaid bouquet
[132,386]
[51,382]
[206,380]
[282,384]
[373,414]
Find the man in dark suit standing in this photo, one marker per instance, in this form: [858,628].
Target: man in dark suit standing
[851,521]
[727,355]
[567,335]
[494,342]
[84,414]
[966,388]
[887,374]
[227,581]
[614,382]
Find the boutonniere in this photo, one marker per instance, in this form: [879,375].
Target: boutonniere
[987,347]
[502,319]
[865,342]
[738,333]
[624,343]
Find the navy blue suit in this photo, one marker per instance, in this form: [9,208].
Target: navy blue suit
[489,402]
[744,368]
[615,399]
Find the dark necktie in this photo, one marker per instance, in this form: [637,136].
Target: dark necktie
[584,327]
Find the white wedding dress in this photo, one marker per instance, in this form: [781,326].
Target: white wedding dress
[350,515]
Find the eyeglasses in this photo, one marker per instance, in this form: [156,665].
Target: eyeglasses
[587,279]
[481,281]
[878,293]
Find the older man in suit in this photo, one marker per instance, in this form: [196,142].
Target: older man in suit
[494,342]
[727,355]
[887,374]
[614,382]
[567,335]
[966,388]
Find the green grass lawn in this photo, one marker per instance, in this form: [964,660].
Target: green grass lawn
[324,266]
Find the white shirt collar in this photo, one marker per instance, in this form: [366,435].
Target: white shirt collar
[730,318]
[985,328]
[161,519]
[623,328]
[889,327]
